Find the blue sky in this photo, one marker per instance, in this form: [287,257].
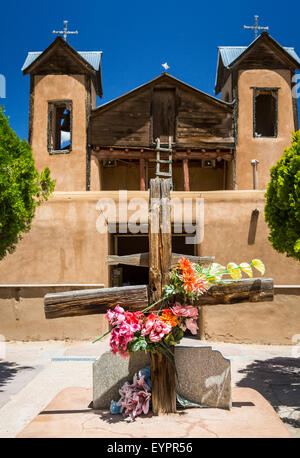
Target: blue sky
[136,37]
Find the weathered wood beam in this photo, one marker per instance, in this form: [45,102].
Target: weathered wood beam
[165,232]
[246,290]
[160,243]
[138,259]
[154,241]
[142,259]
[95,301]
[150,154]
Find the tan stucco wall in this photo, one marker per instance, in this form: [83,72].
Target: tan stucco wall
[266,150]
[268,323]
[65,247]
[22,317]
[69,170]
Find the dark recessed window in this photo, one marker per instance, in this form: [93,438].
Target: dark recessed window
[59,127]
[265,117]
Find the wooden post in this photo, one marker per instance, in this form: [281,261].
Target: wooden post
[160,246]
[142,175]
[186,178]
[154,241]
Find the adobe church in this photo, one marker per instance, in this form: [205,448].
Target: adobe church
[213,141]
[219,149]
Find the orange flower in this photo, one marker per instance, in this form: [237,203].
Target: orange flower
[168,317]
[185,265]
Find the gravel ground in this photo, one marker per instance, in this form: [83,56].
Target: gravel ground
[32,373]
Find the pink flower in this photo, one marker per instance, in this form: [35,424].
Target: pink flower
[119,339]
[135,397]
[184,310]
[156,328]
[191,324]
[116,316]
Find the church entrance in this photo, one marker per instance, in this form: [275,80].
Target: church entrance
[127,244]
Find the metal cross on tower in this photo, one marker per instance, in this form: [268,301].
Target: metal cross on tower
[255,27]
[65,32]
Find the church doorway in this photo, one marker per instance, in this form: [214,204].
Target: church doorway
[126,244]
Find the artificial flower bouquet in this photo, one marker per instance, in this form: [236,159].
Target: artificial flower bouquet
[162,329]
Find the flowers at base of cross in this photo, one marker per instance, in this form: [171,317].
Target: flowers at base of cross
[160,330]
[135,397]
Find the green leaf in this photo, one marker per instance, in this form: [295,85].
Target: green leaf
[297,246]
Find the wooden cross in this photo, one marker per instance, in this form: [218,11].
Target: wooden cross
[160,260]
[65,32]
[255,27]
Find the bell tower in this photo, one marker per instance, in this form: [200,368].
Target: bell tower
[258,80]
[64,85]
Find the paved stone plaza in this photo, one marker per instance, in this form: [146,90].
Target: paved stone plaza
[33,373]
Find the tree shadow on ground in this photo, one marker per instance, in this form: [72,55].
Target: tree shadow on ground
[9,370]
[277,380]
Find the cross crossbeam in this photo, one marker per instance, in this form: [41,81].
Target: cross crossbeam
[255,27]
[65,32]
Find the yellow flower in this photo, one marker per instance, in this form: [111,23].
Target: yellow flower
[246,268]
[234,271]
[258,265]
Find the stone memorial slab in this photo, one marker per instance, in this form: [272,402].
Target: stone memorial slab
[204,376]
[110,372]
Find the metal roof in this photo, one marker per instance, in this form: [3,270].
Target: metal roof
[231,53]
[92,57]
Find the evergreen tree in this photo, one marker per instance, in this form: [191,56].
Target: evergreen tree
[22,188]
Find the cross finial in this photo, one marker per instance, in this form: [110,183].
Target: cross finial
[65,32]
[255,27]
[166,66]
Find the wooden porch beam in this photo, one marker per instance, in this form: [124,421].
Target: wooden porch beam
[177,155]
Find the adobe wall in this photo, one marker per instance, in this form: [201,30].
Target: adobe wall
[266,150]
[64,246]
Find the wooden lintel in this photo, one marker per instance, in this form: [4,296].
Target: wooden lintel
[177,155]
[142,259]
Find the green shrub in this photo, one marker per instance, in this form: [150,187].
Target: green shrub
[22,188]
[282,210]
